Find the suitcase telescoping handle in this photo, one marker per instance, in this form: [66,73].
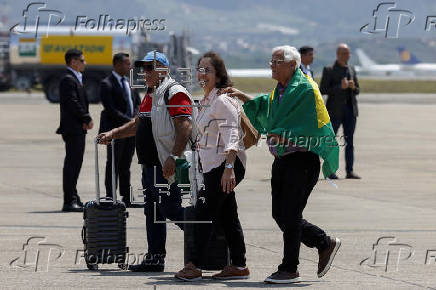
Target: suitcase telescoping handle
[97,174]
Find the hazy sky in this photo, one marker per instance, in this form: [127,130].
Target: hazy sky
[312,18]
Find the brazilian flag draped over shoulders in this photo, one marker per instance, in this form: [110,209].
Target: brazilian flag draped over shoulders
[300,117]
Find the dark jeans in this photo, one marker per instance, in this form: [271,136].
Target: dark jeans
[167,206]
[124,150]
[348,122]
[293,178]
[220,208]
[74,150]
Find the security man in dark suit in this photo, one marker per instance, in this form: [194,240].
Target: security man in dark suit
[74,123]
[307,55]
[121,105]
[340,83]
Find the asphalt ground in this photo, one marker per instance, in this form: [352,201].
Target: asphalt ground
[386,220]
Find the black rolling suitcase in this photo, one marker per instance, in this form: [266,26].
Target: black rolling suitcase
[104,226]
[218,255]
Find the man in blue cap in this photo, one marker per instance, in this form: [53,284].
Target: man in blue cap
[162,134]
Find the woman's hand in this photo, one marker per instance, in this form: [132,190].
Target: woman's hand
[228,181]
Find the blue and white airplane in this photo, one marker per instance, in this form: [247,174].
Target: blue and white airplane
[410,66]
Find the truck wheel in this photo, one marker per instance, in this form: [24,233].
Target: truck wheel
[92,87]
[23,83]
[51,89]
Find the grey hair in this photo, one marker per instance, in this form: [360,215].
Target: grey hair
[290,53]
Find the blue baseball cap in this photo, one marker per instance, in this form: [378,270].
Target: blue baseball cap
[160,57]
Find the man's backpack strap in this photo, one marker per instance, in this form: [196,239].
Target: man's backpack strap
[167,93]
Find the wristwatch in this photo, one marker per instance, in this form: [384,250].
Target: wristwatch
[175,157]
[229,165]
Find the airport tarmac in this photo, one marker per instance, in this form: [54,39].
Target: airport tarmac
[386,220]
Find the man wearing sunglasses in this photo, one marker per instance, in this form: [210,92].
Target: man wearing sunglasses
[162,134]
[75,122]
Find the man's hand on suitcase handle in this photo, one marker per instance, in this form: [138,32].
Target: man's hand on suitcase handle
[105,137]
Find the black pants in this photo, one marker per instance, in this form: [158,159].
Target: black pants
[166,205]
[221,208]
[348,122]
[124,150]
[293,178]
[74,150]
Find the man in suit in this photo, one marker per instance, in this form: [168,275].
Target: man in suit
[307,55]
[340,83]
[74,123]
[121,105]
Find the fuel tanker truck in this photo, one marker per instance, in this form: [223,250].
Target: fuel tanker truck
[41,60]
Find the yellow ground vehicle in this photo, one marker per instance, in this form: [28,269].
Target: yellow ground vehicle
[41,60]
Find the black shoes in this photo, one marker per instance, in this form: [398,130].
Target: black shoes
[144,267]
[72,207]
[151,263]
[333,176]
[283,277]
[78,201]
[131,205]
[352,175]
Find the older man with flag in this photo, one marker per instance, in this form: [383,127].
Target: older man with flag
[298,131]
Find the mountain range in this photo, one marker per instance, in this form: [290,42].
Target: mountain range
[244,31]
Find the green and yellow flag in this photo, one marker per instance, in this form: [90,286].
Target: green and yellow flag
[300,117]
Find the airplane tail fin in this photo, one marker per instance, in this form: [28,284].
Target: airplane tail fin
[407,57]
[364,59]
